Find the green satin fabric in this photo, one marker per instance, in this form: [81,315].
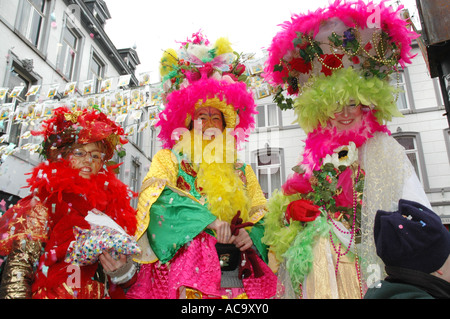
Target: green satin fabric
[256,233]
[174,221]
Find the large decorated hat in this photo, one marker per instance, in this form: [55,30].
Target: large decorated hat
[348,51]
[202,74]
[67,127]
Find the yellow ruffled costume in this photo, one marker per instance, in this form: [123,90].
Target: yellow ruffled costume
[215,177]
[163,174]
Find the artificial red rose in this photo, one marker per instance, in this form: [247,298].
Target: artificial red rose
[292,90]
[355,60]
[207,70]
[302,210]
[330,62]
[300,65]
[304,45]
[192,76]
[283,71]
[368,46]
[240,68]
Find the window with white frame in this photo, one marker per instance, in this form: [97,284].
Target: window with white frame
[96,71]
[267,116]
[32,20]
[152,141]
[268,170]
[16,78]
[410,141]
[399,81]
[134,122]
[69,52]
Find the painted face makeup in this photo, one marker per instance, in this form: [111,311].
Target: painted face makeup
[210,117]
[88,158]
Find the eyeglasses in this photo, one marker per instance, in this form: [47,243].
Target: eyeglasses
[94,155]
[349,108]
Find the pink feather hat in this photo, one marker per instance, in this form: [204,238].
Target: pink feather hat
[371,38]
[200,74]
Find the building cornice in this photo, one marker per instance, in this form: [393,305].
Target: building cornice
[102,39]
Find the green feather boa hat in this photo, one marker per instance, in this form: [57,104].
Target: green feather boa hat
[327,95]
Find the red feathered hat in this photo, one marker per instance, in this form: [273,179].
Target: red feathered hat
[68,127]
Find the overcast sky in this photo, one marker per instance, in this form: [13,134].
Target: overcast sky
[155,25]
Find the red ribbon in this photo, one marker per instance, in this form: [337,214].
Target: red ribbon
[249,254]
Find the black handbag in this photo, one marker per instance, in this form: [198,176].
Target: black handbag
[229,256]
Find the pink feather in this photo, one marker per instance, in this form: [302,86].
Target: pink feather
[182,102]
[323,141]
[352,13]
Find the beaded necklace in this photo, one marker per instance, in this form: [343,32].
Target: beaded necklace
[338,247]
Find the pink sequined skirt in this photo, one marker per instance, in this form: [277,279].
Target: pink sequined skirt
[196,266]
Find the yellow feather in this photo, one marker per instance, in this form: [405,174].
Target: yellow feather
[225,191]
[223,45]
[168,60]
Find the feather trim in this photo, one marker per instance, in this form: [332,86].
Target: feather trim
[216,176]
[322,142]
[183,102]
[352,13]
[104,191]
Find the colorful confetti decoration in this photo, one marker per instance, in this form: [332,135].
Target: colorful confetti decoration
[89,244]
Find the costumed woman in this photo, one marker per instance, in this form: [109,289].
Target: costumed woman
[200,209]
[54,237]
[336,65]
